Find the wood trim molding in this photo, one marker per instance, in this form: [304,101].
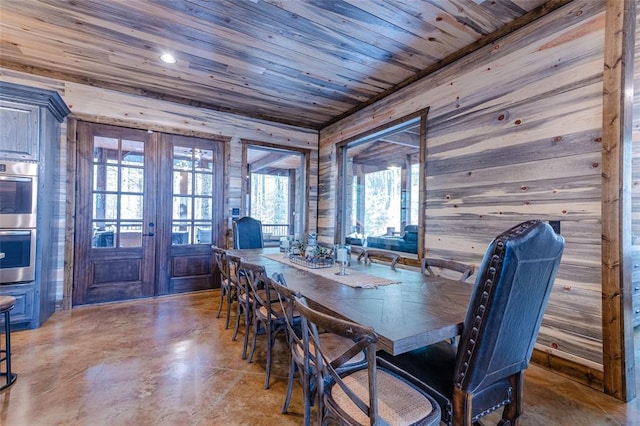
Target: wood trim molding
[579,372]
[74,78]
[617,114]
[149,126]
[70,218]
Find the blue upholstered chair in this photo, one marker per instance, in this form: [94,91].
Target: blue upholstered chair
[247,233]
[483,373]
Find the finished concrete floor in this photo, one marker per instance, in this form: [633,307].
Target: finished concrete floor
[170,361]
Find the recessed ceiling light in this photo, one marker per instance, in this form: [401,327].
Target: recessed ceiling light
[168,58]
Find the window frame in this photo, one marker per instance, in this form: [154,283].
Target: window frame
[417,118]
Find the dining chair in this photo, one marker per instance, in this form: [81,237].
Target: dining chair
[380,256]
[357,250]
[367,395]
[484,372]
[268,315]
[247,233]
[441,267]
[228,291]
[243,298]
[305,367]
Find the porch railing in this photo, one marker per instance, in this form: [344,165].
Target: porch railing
[272,231]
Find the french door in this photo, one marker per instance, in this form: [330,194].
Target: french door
[146,214]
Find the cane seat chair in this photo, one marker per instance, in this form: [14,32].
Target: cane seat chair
[268,314]
[228,291]
[243,299]
[484,372]
[440,267]
[367,395]
[380,256]
[334,345]
[247,233]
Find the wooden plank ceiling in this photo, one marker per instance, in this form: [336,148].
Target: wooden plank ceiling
[300,62]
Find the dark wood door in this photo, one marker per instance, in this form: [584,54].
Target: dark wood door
[191,211]
[115,240]
[148,208]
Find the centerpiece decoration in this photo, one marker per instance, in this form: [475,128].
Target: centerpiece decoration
[310,254]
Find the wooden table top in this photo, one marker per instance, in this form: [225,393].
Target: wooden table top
[419,311]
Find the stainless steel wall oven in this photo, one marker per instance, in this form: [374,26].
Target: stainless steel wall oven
[18,218]
[18,194]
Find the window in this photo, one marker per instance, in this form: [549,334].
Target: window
[276,191]
[381,187]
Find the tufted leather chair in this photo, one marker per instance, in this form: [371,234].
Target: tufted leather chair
[247,233]
[484,372]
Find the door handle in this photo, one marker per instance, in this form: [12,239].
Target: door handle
[150,234]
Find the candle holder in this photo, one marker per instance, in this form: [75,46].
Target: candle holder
[285,246]
[341,253]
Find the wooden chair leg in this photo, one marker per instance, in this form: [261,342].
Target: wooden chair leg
[269,349]
[256,325]
[512,411]
[223,293]
[239,313]
[229,300]
[247,326]
[462,407]
[307,395]
[292,377]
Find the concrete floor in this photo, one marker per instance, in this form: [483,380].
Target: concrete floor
[169,361]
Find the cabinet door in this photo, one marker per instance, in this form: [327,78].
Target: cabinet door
[19,128]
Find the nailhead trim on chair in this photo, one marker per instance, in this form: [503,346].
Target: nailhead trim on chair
[492,276]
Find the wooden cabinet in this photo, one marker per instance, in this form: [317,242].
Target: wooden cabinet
[30,131]
[19,130]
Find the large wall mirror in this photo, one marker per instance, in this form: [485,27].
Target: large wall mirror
[381,190]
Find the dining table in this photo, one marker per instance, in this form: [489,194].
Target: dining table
[406,308]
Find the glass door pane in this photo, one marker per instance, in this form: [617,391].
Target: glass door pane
[192,195]
[117,193]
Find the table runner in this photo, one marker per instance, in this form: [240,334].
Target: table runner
[354,279]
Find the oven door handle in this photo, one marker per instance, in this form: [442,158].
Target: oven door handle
[16,178]
[5,233]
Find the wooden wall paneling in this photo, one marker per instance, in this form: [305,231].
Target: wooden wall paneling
[109,107]
[514,133]
[538,51]
[617,304]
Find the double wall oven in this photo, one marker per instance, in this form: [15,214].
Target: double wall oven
[18,207]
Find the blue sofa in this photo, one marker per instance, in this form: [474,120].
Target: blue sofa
[407,243]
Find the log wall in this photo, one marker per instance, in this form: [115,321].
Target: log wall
[514,133]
